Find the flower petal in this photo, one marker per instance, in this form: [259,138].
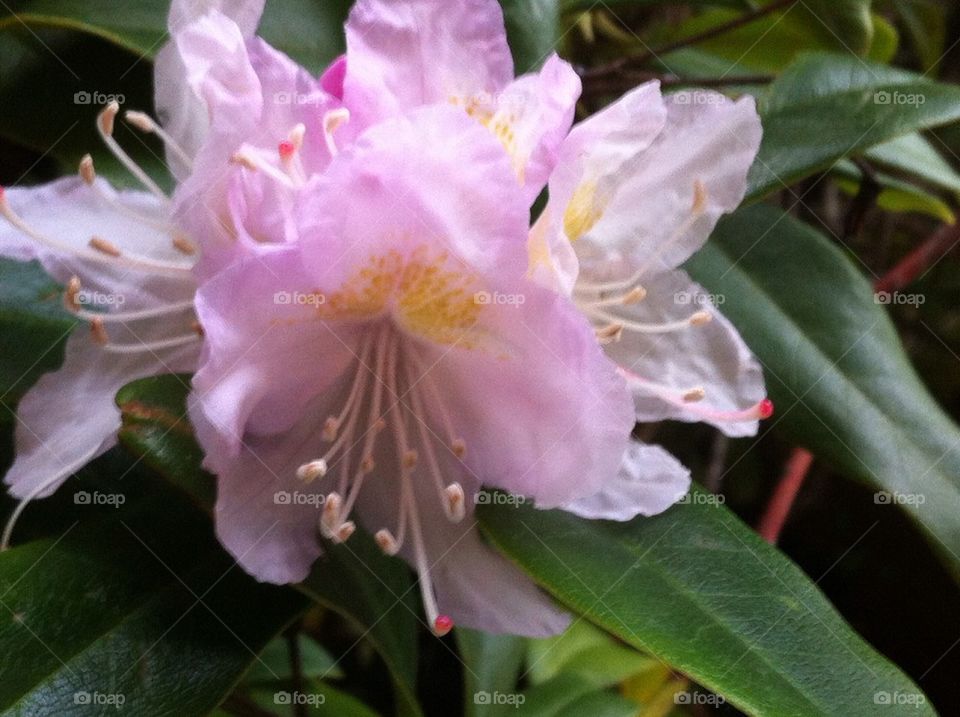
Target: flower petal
[245,13]
[666,201]
[650,480]
[414,52]
[70,416]
[546,373]
[710,356]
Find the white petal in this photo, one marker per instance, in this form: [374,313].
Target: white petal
[70,416]
[708,140]
[712,356]
[245,13]
[649,481]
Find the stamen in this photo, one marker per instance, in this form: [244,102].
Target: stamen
[184,245]
[145,123]
[457,445]
[442,625]
[455,505]
[332,121]
[330,518]
[104,247]
[249,158]
[31,496]
[105,125]
[610,333]
[73,305]
[459,448]
[309,472]
[151,347]
[698,319]
[344,532]
[330,428]
[128,260]
[98,332]
[87,172]
[387,543]
[694,395]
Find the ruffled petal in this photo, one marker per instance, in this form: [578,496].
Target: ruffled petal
[70,416]
[245,13]
[416,52]
[542,370]
[650,480]
[713,357]
[663,203]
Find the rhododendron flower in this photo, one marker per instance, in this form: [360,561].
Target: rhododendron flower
[637,190]
[399,382]
[129,270]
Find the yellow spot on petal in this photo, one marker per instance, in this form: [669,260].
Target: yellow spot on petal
[583,211]
[427,294]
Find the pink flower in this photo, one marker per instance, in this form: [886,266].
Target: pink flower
[637,190]
[392,362]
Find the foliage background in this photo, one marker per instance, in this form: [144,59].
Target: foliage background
[142,602]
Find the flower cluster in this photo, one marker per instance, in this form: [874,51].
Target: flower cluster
[438,343]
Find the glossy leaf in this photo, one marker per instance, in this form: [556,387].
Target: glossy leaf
[825,107]
[137,603]
[533,29]
[834,364]
[701,591]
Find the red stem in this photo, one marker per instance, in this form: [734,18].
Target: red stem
[912,266]
[775,516]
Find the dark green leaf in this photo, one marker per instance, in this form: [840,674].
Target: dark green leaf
[137,603]
[701,591]
[825,107]
[533,29]
[834,364]
[491,664]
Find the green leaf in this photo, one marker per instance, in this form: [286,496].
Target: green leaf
[355,579]
[533,30]
[590,653]
[33,328]
[825,107]
[895,196]
[914,155]
[310,32]
[926,24]
[139,604]
[274,664]
[566,696]
[491,664]
[701,591]
[834,364]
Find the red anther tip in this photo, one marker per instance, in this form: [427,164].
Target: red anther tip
[3,193]
[286,148]
[442,625]
[766,408]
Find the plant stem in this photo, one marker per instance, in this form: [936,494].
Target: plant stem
[917,262]
[617,66]
[778,509]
